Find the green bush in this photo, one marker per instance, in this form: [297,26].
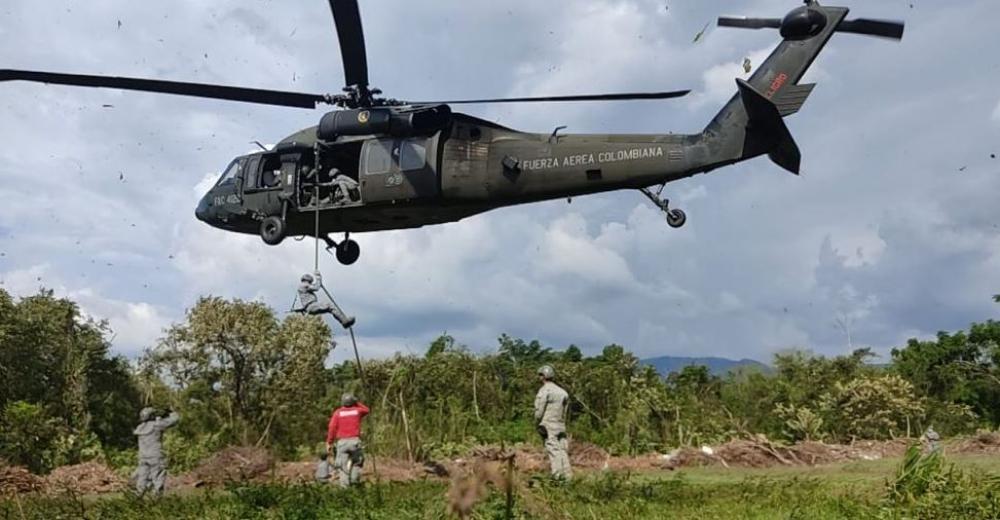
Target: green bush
[28,436]
[924,486]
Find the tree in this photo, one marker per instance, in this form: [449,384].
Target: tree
[236,368]
[442,343]
[54,357]
[871,407]
[28,436]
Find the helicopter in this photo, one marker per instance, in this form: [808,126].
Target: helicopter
[377,163]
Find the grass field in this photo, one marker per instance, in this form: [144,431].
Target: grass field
[961,487]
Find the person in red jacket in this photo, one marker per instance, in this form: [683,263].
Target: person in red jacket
[345,428]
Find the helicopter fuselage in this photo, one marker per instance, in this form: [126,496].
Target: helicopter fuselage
[471,167]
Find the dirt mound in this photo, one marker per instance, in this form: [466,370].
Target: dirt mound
[388,469]
[88,478]
[981,442]
[586,455]
[759,452]
[295,472]
[233,464]
[683,458]
[15,480]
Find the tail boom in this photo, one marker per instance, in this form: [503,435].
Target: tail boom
[751,124]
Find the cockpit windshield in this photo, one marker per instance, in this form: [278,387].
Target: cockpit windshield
[229,176]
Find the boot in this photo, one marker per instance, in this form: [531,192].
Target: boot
[345,320]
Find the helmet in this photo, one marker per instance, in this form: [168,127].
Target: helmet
[307,278]
[146,414]
[547,372]
[348,399]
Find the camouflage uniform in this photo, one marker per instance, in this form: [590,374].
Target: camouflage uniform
[551,407]
[345,185]
[932,440]
[323,469]
[151,474]
[308,286]
[349,461]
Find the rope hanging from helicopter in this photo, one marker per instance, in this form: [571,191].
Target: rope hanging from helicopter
[316,238]
[354,341]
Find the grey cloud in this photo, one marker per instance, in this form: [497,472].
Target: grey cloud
[767,261]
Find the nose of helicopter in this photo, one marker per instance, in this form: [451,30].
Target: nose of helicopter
[202,211]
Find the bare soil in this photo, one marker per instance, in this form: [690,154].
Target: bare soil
[86,479]
[16,480]
[482,464]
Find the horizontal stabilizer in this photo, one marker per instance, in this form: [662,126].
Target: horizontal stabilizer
[766,129]
[791,98]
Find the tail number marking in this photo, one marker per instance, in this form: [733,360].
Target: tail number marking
[779,80]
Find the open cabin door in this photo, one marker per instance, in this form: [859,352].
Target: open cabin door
[399,169]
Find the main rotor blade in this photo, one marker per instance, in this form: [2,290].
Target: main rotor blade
[883,28]
[347,18]
[246,95]
[749,23]
[589,97]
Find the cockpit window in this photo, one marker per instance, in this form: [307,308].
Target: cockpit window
[412,155]
[229,176]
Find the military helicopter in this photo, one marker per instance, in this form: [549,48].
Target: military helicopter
[380,163]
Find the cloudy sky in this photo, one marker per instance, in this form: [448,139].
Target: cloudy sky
[891,231]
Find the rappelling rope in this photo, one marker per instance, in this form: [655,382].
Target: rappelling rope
[316,228]
[361,373]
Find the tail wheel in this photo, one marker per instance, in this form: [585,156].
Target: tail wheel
[676,218]
[348,252]
[272,230]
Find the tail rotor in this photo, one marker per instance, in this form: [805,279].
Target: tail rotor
[809,20]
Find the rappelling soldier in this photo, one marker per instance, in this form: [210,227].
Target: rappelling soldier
[309,284]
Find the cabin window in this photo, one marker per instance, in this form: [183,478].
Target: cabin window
[412,155]
[267,174]
[229,176]
[378,158]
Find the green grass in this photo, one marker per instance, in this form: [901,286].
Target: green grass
[851,490]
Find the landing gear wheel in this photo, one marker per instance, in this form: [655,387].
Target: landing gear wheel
[348,252]
[272,230]
[676,218]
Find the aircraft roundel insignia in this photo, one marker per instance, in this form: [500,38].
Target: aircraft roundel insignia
[363,116]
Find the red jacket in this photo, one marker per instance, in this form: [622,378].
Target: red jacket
[346,422]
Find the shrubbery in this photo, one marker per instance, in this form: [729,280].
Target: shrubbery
[240,375]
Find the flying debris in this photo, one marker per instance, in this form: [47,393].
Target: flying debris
[700,33]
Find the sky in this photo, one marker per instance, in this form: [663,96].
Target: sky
[891,232]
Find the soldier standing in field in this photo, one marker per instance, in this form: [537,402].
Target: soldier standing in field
[551,408]
[151,474]
[345,429]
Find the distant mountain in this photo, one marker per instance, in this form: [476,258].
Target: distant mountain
[718,366]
